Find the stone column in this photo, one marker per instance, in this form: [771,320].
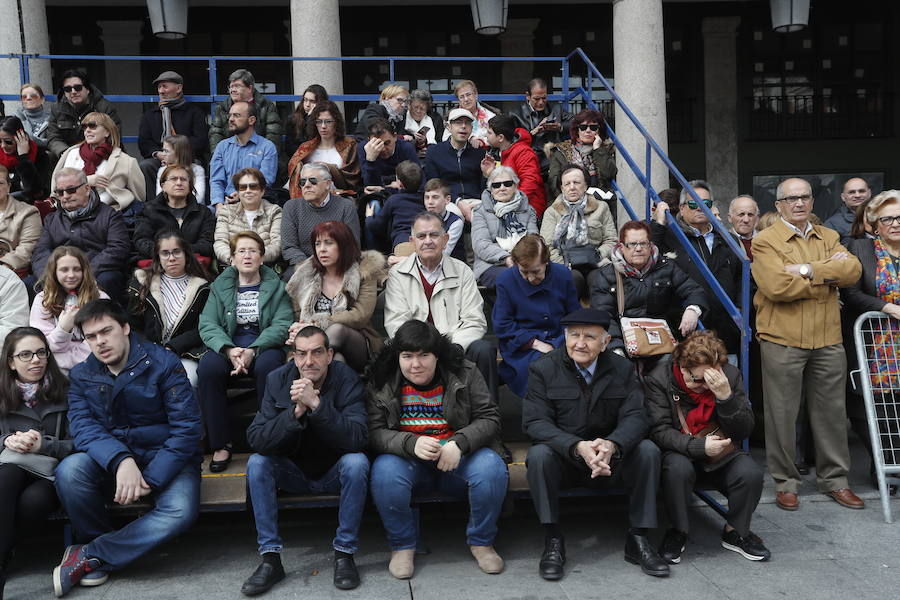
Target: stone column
[640,80]
[23,32]
[316,31]
[720,106]
[123,38]
[517,40]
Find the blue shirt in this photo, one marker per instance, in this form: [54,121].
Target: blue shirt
[588,373]
[230,157]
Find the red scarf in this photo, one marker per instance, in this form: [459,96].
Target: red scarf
[93,157]
[11,161]
[697,418]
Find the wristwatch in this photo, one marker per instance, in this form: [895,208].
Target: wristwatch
[804,271]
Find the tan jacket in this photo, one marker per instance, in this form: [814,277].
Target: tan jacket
[231,220]
[792,310]
[126,181]
[353,305]
[601,229]
[20,228]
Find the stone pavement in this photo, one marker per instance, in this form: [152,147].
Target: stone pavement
[822,551]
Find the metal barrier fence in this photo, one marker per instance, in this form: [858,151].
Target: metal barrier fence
[878,351]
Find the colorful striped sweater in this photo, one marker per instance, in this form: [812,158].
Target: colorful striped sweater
[422,412]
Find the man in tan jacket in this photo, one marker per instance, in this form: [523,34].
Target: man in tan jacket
[798,268]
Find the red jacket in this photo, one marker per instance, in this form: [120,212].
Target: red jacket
[522,159]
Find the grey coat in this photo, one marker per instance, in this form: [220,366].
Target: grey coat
[486,226]
[49,419]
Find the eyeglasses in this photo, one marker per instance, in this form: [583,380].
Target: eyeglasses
[30,96]
[178,179]
[89,125]
[8,142]
[497,184]
[402,100]
[167,254]
[312,181]
[592,127]
[466,95]
[242,187]
[73,88]
[26,355]
[794,199]
[324,122]
[886,221]
[634,245]
[68,190]
[693,205]
[691,376]
[247,251]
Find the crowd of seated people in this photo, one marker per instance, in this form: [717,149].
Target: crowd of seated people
[239,283]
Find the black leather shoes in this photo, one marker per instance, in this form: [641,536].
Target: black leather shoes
[553,560]
[639,551]
[219,466]
[346,577]
[264,577]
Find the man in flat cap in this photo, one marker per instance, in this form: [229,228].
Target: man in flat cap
[584,412]
[172,116]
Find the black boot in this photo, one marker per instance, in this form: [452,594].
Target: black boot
[346,577]
[553,560]
[639,551]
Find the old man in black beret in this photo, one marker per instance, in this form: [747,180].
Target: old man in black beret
[584,412]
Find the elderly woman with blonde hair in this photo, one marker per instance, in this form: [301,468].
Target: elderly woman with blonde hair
[391,107]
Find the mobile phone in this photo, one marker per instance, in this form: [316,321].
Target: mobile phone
[425,129]
[550,120]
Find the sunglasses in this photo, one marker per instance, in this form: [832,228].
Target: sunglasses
[30,96]
[498,184]
[8,142]
[692,204]
[593,127]
[73,88]
[89,125]
[249,186]
[68,190]
[312,180]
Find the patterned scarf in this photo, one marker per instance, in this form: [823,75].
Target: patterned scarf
[884,363]
[11,161]
[583,156]
[629,270]
[29,392]
[92,157]
[571,231]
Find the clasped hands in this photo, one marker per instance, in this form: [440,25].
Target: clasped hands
[447,455]
[597,455]
[304,395]
[24,442]
[240,359]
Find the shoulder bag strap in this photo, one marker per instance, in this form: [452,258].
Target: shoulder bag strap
[620,292]
[684,427]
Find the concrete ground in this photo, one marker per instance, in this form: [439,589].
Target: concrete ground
[821,551]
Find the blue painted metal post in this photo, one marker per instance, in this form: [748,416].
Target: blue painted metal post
[565,78]
[24,69]
[212,87]
[391,66]
[649,180]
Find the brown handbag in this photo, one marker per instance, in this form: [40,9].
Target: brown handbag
[711,429]
[643,336]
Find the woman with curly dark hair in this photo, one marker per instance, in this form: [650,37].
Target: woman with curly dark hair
[588,147]
[327,144]
[433,426]
[698,415]
[34,435]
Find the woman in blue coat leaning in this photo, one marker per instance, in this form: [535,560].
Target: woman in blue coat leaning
[532,296]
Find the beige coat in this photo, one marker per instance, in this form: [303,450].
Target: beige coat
[601,228]
[126,181]
[20,228]
[792,310]
[231,220]
[353,305]
[456,304]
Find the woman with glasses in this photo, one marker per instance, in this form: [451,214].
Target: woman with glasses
[391,107]
[589,148]
[175,209]
[502,219]
[699,415]
[34,436]
[165,300]
[466,93]
[67,285]
[27,164]
[244,325]
[531,300]
[335,289]
[76,98]
[654,286]
[34,114]
[250,213]
[296,130]
[423,125]
[176,150]
[115,175]
[878,289]
[327,144]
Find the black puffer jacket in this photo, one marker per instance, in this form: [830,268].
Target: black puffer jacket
[198,226]
[661,294]
[64,129]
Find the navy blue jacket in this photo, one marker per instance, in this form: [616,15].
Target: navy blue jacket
[396,217]
[377,171]
[462,172]
[319,438]
[148,412]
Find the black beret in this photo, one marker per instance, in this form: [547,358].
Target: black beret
[587,316]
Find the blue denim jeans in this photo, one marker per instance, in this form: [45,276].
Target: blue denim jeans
[349,476]
[481,475]
[84,487]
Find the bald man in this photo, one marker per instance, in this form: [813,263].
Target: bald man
[743,214]
[855,192]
